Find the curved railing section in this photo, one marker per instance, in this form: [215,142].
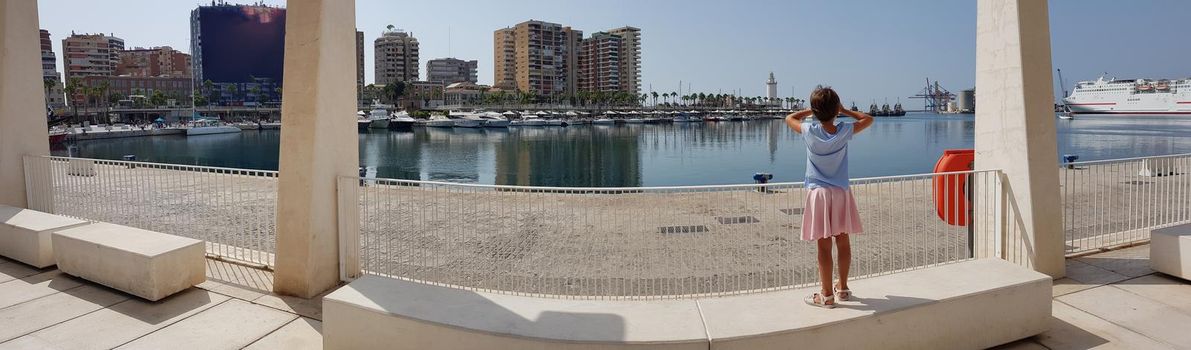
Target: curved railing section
[655,242]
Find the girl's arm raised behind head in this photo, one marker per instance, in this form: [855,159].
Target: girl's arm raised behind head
[794,120]
[863,121]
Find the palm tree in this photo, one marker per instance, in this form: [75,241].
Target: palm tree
[655,98]
[72,89]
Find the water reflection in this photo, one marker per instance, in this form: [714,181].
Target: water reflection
[646,155]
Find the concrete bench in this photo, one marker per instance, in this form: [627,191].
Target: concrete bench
[25,235]
[972,304]
[1170,251]
[146,264]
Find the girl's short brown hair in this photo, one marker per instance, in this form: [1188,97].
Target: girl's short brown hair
[824,103]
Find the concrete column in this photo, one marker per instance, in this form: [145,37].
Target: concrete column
[1015,127]
[318,142]
[23,128]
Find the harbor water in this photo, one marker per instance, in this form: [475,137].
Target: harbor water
[645,155]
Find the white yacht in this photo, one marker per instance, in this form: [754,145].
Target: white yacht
[467,120]
[362,121]
[378,118]
[440,121]
[532,120]
[209,127]
[1132,97]
[494,120]
[401,120]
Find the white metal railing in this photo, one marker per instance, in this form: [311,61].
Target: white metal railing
[233,210]
[1117,202]
[655,242]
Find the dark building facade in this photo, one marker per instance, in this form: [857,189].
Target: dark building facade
[240,50]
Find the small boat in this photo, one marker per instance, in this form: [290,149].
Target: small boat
[494,120]
[378,118]
[362,121]
[440,121]
[603,121]
[531,120]
[401,121]
[210,127]
[468,120]
[1066,116]
[554,122]
[634,120]
[58,136]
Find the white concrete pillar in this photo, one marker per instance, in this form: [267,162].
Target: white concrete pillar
[1015,127]
[318,142]
[23,128]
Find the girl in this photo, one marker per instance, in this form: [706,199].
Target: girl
[829,211]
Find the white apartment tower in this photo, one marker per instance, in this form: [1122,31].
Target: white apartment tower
[396,54]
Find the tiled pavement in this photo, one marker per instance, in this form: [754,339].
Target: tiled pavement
[1110,300]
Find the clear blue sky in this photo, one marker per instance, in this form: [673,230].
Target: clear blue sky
[867,49]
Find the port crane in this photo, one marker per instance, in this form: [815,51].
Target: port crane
[935,97]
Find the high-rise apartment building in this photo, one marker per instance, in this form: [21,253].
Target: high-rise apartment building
[504,59]
[240,49]
[161,61]
[600,63]
[396,55]
[49,73]
[544,57]
[452,70]
[87,55]
[359,61]
[630,58]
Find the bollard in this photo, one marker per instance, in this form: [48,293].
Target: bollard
[762,178]
[130,158]
[1069,159]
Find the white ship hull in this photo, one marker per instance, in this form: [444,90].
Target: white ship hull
[1131,98]
[211,130]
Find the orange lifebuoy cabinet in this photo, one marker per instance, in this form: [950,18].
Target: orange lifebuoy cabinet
[951,192]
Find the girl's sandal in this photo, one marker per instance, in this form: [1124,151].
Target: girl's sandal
[819,301]
[842,294]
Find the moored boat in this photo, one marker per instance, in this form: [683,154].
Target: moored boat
[209,127]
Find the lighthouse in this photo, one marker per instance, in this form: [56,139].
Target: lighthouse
[771,90]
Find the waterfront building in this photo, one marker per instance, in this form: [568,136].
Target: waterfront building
[464,93]
[396,55]
[177,90]
[542,60]
[452,70]
[154,62]
[54,97]
[630,58]
[240,50]
[423,94]
[87,55]
[600,63]
[771,91]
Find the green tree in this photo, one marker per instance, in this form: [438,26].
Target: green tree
[72,90]
[157,99]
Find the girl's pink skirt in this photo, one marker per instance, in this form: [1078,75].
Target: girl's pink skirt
[829,212]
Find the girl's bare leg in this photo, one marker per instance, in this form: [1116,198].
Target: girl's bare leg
[845,259]
[825,266]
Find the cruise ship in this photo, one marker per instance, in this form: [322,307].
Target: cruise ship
[1141,97]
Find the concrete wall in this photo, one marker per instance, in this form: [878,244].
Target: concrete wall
[317,145]
[1015,127]
[23,128]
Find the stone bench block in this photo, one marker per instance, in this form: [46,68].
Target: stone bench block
[971,304]
[382,313]
[25,234]
[974,304]
[143,263]
[1170,251]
